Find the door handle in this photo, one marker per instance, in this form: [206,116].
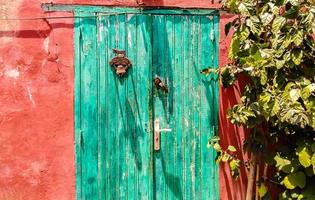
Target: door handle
[157,134]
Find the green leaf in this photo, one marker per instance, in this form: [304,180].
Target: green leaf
[231,148]
[307,91]
[217,147]
[262,190]
[244,34]
[285,44]
[266,18]
[294,180]
[234,167]
[225,157]
[254,24]
[278,23]
[263,79]
[275,108]
[243,9]
[235,47]
[295,94]
[284,164]
[280,64]
[304,155]
[309,171]
[266,53]
[298,38]
[313,160]
[292,12]
[297,56]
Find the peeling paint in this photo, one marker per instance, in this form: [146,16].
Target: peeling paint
[30,96]
[46,45]
[101,31]
[186,122]
[12,73]
[8,9]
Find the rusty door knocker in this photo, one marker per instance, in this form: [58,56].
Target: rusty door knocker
[120,63]
[160,84]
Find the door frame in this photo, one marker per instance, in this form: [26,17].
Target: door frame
[48,7]
[109,10]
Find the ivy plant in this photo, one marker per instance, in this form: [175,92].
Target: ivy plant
[273,45]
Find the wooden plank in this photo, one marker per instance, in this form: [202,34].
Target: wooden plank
[216,28]
[100,107]
[112,92]
[128,10]
[109,111]
[102,38]
[143,83]
[187,115]
[120,40]
[77,106]
[131,82]
[195,90]
[159,39]
[206,111]
[178,102]
[89,109]
[169,138]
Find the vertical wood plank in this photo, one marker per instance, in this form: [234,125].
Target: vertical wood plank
[206,111]
[104,106]
[159,51]
[169,138]
[89,104]
[113,150]
[109,91]
[189,143]
[121,111]
[196,106]
[131,133]
[144,83]
[178,69]
[101,107]
[77,105]
[215,85]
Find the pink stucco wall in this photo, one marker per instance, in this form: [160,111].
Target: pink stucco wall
[36,102]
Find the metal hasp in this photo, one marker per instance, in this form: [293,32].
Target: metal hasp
[157,134]
[120,63]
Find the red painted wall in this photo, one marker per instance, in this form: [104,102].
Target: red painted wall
[230,189]
[36,102]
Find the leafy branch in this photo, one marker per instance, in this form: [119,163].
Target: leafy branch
[273,46]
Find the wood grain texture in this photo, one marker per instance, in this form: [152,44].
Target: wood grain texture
[182,46]
[114,116]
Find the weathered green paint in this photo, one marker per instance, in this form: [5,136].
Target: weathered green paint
[114,117]
[184,167]
[109,10]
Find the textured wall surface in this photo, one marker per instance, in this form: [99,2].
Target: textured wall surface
[36,102]
[230,134]
[36,105]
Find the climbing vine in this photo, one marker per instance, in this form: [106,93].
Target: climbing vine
[273,45]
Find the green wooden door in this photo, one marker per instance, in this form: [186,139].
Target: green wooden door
[115,158]
[182,46]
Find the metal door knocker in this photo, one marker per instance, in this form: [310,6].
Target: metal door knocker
[120,63]
[160,84]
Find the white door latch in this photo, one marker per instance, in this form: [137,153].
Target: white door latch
[157,134]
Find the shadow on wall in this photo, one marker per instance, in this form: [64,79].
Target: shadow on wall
[42,31]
